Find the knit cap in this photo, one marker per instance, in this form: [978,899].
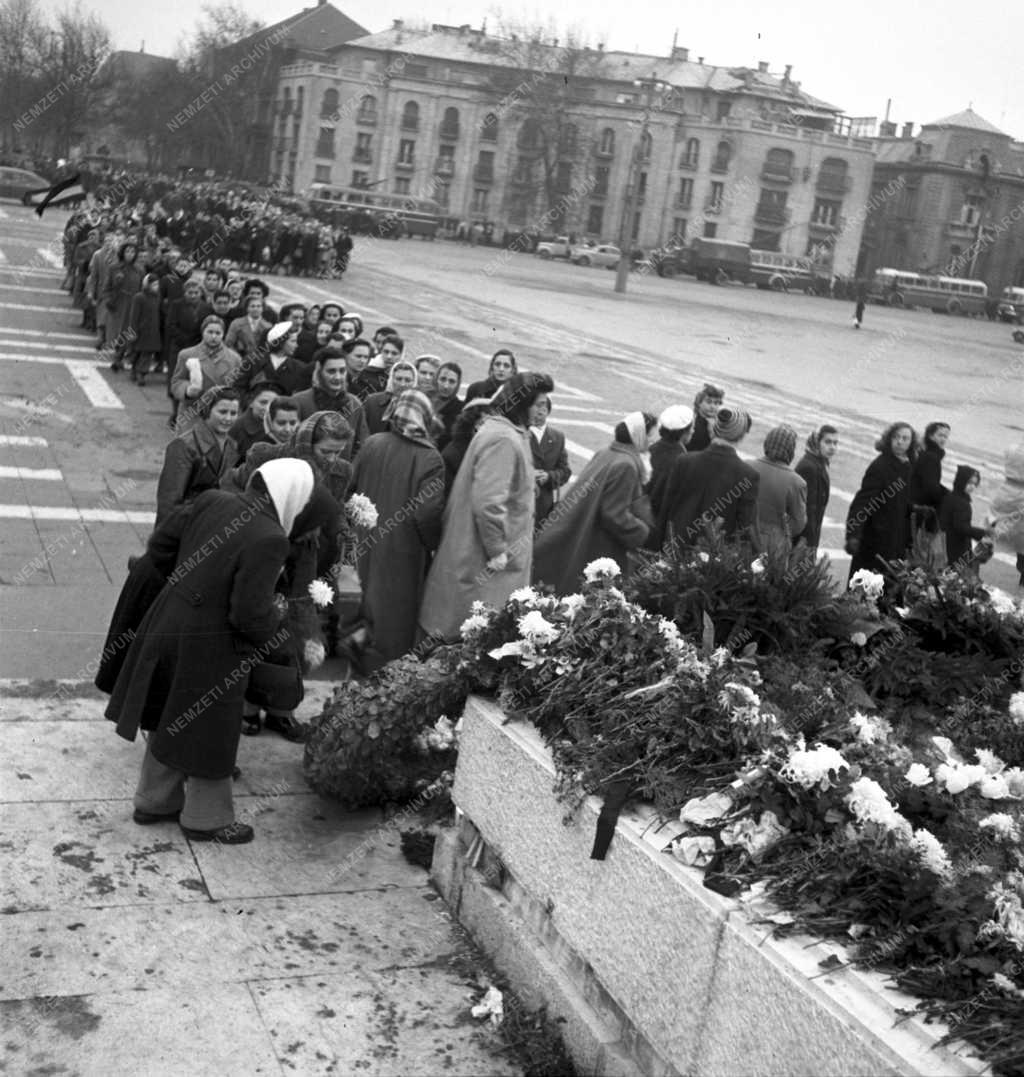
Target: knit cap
[731,424]
[675,417]
[780,444]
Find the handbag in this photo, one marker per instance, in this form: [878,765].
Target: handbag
[275,686]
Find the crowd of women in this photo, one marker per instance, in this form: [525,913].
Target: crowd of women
[282,415]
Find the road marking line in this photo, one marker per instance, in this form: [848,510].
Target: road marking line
[19,439]
[27,270]
[46,360]
[3,257]
[43,334]
[603,427]
[29,288]
[579,450]
[87,516]
[92,384]
[50,474]
[49,257]
[44,347]
[39,310]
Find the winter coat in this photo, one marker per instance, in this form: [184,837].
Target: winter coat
[144,323]
[291,375]
[123,283]
[605,513]
[313,400]
[813,469]
[489,512]
[1007,505]
[193,463]
[697,436]
[550,456]
[241,338]
[368,381]
[447,413]
[222,367]
[184,676]
[663,455]
[100,267]
[879,515]
[181,329]
[926,484]
[714,484]
[374,407]
[405,481]
[781,502]
[955,520]
[246,432]
[482,390]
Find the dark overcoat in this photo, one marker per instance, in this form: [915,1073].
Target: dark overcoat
[405,481]
[813,469]
[550,456]
[193,463]
[879,516]
[144,322]
[604,514]
[184,676]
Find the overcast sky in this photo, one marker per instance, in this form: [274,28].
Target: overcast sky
[931,60]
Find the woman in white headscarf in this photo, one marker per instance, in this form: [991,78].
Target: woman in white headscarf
[185,673]
[605,513]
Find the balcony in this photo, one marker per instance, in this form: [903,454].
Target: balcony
[363,157]
[712,208]
[483,173]
[689,164]
[444,166]
[404,164]
[963,229]
[836,183]
[823,227]
[410,123]
[449,132]
[603,154]
[720,167]
[777,173]
[771,214]
[367,118]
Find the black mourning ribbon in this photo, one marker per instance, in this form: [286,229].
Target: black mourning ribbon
[614,800]
[55,190]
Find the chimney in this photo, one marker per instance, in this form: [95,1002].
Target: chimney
[908,130]
[786,74]
[397,24]
[600,46]
[762,66]
[680,53]
[887,129]
[700,60]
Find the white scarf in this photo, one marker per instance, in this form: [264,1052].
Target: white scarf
[290,485]
[638,436]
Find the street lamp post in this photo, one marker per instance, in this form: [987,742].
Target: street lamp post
[650,86]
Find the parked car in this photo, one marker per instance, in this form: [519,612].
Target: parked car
[602,255]
[1011,306]
[17,182]
[559,247]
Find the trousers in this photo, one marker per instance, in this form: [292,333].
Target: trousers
[204,803]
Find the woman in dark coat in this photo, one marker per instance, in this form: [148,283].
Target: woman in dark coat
[926,489]
[878,523]
[606,514]
[813,468]
[123,283]
[503,366]
[198,459]
[401,472]
[329,392]
[955,520]
[145,345]
[401,376]
[184,677]
[697,436]
[467,424]
[447,405]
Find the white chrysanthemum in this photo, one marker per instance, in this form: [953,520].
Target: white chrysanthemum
[956,777]
[739,695]
[1009,919]
[918,775]
[990,761]
[536,628]
[1016,708]
[1002,603]
[869,804]
[321,593]
[994,787]
[859,639]
[477,608]
[872,584]
[757,566]
[1006,985]
[870,729]
[704,557]
[573,604]
[516,649]
[932,853]
[527,595]
[719,656]
[1003,826]
[808,767]
[314,653]
[1015,780]
[361,511]
[602,568]
[476,622]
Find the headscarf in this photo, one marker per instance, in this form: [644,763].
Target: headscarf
[328,424]
[390,387]
[289,483]
[636,425]
[411,416]
[1007,505]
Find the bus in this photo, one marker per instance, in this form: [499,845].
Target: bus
[898,288]
[366,211]
[782,272]
[720,261]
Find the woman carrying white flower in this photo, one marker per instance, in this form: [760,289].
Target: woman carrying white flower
[401,472]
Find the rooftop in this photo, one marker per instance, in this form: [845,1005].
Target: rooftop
[968,120]
[319,28]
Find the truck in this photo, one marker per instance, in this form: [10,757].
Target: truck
[720,261]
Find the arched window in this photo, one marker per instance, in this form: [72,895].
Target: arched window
[489,128]
[778,164]
[691,155]
[300,100]
[646,145]
[286,103]
[450,123]
[367,109]
[723,155]
[832,175]
[411,116]
[607,144]
[329,105]
[529,134]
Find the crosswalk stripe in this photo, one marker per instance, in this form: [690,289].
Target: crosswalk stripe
[3,257]
[29,288]
[37,310]
[21,439]
[92,384]
[50,474]
[43,334]
[49,257]
[27,271]
[55,345]
[51,360]
[53,513]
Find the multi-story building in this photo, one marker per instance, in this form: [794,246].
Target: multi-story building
[542,138]
[956,205]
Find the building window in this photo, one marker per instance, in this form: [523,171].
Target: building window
[360,178]
[442,194]
[723,154]
[601,180]
[329,106]
[641,191]
[679,231]
[778,165]
[489,128]
[724,108]
[529,135]
[321,173]
[416,71]
[484,171]
[826,212]
[595,220]
[406,151]
[685,197]
[832,176]
[764,240]
[691,155]
[325,142]
[710,229]
[970,212]
[367,110]
[523,173]
[450,124]
[563,177]
[411,116]
[364,148]
[646,145]
[636,226]
[717,196]
[402,184]
[568,140]
[479,203]
[607,144]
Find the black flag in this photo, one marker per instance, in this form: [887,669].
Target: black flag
[66,190]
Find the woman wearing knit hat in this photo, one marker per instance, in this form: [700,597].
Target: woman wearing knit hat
[781,493]
[605,514]
[712,487]
[666,450]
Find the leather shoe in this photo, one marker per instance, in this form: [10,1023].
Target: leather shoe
[144,818]
[232,834]
[286,727]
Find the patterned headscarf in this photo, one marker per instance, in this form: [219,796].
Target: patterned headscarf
[326,424]
[400,364]
[411,416]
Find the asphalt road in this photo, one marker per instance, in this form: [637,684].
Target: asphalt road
[81,447]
